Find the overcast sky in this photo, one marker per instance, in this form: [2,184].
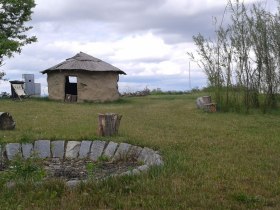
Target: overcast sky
[148,39]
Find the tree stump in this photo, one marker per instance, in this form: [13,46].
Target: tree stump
[6,121]
[211,107]
[108,124]
[206,99]
[205,103]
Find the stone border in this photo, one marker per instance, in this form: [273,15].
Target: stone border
[83,149]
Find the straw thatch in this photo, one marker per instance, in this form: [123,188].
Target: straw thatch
[83,61]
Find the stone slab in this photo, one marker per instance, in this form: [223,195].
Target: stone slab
[136,171]
[157,160]
[143,168]
[122,152]
[96,150]
[150,157]
[57,148]
[134,152]
[85,149]
[73,183]
[42,148]
[110,149]
[72,149]
[12,150]
[27,150]
[132,172]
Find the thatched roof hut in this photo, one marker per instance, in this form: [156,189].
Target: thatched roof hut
[83,78]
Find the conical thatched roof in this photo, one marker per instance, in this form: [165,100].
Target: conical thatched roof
[85,62]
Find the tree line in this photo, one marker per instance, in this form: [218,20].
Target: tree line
[242,62]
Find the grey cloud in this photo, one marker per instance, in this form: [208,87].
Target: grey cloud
[72,10]
[123,16]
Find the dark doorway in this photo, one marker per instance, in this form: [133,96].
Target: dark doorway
[71,92]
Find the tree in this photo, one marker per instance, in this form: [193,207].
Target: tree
[13,16]
[244,58]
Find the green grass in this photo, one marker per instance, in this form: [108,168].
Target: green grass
[212,161]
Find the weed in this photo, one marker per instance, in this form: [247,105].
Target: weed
[247,199]
[26,138]
[103,158]
[90,166]
[29,170]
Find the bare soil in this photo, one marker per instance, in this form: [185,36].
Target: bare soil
[81,169]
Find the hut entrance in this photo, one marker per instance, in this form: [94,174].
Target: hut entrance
[71,89]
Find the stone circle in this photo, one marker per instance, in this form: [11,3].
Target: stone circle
[71,157]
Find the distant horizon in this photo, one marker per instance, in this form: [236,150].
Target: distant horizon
[129,83]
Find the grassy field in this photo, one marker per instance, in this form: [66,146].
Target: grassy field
[212,161]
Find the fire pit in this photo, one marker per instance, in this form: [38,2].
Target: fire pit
[79,161]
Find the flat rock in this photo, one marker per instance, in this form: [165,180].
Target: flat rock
[42,148]
[143,168]
[110,149]
[73,183]
[72,149]
[57,148]
[96,150]
[27,149]
[136,171]
[134,152]
[122,152]
[150,157]
[85,149]
[12,150]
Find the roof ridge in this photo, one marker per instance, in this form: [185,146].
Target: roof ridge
[83,61]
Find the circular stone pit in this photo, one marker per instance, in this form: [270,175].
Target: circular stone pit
[77,161]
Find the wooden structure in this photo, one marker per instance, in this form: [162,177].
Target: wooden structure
[108,124]
[211,107]
[17,89]
[205,103]
[6,121]
[83,78]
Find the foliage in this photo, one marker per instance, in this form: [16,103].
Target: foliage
[244,55]
[2,74]
[13,16]
[90,166]
[103,158]
[20,170]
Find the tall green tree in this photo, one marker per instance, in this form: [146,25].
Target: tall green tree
[14,14]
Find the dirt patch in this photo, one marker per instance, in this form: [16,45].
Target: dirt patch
[82,169]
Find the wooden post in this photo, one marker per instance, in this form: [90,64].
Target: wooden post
[108,124]
[6,121]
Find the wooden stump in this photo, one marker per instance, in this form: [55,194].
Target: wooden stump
[210,107]
[207,99]
[6,121]
[108,124]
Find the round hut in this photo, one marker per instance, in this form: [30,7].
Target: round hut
[83,78]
